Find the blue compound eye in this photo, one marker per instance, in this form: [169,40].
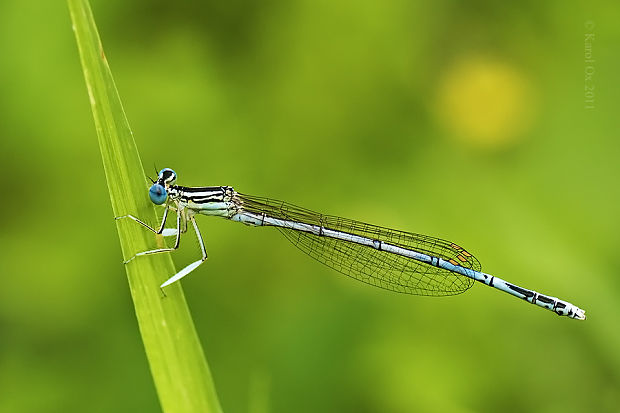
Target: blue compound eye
[158,194]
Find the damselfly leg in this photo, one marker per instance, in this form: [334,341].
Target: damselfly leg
[191,267]
[181,227]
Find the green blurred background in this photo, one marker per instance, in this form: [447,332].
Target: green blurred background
[463,120]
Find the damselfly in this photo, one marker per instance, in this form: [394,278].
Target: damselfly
[394,260]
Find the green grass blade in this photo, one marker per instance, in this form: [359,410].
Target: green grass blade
[176,359]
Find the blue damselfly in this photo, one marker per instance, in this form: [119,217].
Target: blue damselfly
[391,259]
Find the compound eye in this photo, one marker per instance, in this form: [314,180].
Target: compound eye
[167,176]
[158,194]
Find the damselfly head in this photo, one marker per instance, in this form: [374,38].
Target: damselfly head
[166,177]
[157,192]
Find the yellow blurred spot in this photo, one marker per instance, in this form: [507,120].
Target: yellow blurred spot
[485,102]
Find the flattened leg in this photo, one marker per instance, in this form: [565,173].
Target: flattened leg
[191,267]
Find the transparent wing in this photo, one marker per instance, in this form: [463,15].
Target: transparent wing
[379,268]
